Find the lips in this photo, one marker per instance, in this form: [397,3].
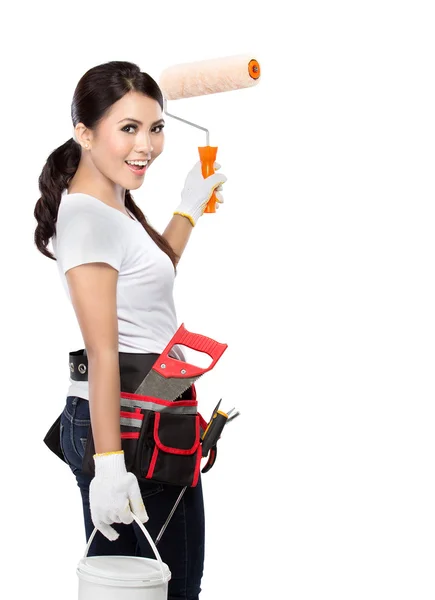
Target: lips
[135,170]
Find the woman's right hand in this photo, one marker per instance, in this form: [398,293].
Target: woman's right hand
[114,494]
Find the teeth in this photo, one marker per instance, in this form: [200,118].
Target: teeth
[141,163]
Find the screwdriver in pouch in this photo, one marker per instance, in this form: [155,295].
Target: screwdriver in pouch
[214,429]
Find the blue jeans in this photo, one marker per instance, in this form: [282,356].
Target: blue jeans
[182,544]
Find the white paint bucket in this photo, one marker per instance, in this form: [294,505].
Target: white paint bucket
[123,577]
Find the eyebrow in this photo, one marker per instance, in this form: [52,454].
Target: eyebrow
[140,122]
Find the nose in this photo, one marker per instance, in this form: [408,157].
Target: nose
[144,145]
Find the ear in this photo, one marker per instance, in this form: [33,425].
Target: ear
[83,134]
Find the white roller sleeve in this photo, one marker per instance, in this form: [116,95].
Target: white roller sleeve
[207,77]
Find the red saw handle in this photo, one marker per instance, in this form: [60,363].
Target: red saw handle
[195,341]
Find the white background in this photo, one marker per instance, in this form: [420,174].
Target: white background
[317,272]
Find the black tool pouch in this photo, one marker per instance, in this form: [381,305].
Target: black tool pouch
[161,440]
[169,448]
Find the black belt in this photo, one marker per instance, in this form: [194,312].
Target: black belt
[132,367]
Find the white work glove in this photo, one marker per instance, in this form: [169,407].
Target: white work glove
[114,494]
[197,192]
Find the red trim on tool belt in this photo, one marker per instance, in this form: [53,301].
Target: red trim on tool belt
[132,415]
[130,435]
[170,449]
[139,398]
[152,463]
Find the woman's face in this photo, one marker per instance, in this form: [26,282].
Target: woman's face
[131,130]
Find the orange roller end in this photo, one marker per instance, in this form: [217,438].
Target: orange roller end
[254,69]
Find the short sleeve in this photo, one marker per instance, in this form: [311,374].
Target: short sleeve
[86,235]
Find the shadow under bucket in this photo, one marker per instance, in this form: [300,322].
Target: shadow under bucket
[123,577]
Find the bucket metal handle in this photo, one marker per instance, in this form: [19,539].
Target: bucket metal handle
[148,537]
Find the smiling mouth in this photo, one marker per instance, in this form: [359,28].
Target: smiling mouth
[142,163]
[139,169]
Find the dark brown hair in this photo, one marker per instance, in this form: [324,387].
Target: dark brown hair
[97,90]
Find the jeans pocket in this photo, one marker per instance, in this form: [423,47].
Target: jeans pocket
[75,421]
[83,441]
[63,446]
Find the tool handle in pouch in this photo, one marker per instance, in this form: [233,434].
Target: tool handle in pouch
[213,431]
[207,154]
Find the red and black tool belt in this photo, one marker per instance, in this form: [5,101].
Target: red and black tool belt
[161,439]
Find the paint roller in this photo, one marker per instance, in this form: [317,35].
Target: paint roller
[208,77]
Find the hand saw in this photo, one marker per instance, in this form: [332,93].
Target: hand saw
[170,377]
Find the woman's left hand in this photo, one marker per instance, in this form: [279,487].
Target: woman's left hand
[197,192]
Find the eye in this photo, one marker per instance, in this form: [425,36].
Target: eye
[127,126]
[158,127]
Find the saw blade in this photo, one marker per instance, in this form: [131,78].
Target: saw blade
[166,388]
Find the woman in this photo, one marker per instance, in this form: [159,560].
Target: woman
[118,273]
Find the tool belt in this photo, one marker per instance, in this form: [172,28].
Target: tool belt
[161,439]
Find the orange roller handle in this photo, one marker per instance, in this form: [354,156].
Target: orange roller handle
[207,154]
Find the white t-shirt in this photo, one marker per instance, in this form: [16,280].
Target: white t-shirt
[88,230]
